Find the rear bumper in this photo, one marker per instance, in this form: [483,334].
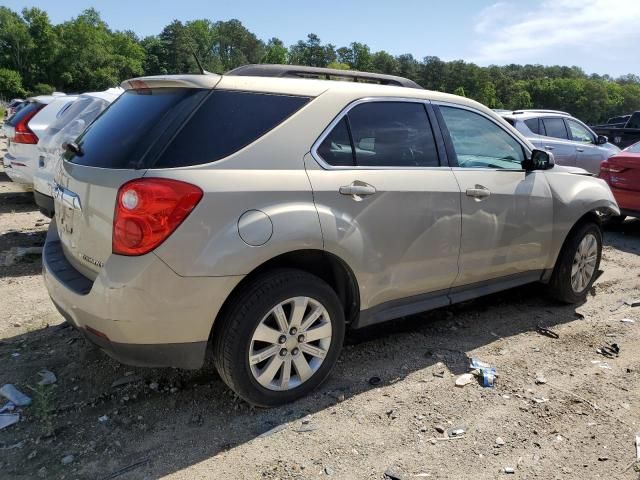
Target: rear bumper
[137,309]
[628,201]
[19,170]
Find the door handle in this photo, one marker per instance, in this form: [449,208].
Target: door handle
[479,192]
[580,149]
[548,147]
[358,189]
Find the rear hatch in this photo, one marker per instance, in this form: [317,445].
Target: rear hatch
[115,149]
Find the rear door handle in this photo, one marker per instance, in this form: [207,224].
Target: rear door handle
[479,192]
[579,149]
[358,189]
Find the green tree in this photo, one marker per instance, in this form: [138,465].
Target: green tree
[275,52]
[312,52]
[10,84]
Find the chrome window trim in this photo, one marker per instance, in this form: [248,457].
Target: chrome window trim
[526,150]
[326,166]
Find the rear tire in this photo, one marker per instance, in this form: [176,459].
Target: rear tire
[577,265]
[260,348]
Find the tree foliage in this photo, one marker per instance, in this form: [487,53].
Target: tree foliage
[84,54]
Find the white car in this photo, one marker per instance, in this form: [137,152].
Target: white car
[24,130]
[66,128]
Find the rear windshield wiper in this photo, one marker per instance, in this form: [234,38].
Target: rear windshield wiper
[74,148]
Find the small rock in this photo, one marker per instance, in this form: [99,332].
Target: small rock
[127,379]
[103,418]
[540,380]
[340,397]
[67,459]
[464,379]
[392,474]
[328,471]
[173,390]
[633,302]
[499,442]
[374,381]
[456,432]
[154,385]
[509,470]
[47,377]
[603,459]
[440,429]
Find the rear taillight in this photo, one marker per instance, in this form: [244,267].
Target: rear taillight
[607,167]
[148,210]
[23,134]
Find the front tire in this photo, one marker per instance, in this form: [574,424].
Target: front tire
[279,338]
[578,263]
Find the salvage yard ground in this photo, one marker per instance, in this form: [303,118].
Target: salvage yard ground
[108,420]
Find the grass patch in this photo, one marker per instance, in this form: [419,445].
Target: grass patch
[43,408]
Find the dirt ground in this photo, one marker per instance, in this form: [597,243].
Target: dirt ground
[164,423]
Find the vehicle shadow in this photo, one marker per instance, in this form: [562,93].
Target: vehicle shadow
[12,202]
[159,409]
[625,236]
[22,265]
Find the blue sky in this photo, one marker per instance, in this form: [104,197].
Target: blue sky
[565,32]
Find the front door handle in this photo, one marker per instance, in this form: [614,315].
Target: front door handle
[358,190]
[580,149]
[479,192]
[548,147]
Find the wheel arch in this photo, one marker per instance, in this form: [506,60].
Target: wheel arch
[325,265]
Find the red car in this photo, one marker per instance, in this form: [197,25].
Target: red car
[622,173]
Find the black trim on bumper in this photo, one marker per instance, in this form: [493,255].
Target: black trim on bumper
[189,356]
[56,264]
[630,213]
[45,203]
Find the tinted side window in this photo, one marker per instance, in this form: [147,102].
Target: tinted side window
[394,134]
[336,148]
[534,125]
[23,112]
[555,127]
[480,143]
[225,123]
[580,133]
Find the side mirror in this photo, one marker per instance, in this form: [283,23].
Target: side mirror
[539,160]
[601,140]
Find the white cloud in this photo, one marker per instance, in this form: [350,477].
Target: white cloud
[507,32]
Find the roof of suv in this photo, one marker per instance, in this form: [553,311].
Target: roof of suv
[527,114]
[294,86]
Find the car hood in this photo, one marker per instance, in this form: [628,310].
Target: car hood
[611,148]
[568,169]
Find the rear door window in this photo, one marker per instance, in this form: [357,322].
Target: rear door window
[393,134]
[336,148]
[226,122]
[555,127]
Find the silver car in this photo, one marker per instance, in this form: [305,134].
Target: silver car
[572,142]
[262,216]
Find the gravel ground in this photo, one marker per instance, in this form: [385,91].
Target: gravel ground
[165,423]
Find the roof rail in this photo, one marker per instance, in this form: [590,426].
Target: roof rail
[534,110]
[299,71]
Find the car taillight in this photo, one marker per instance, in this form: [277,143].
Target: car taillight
[609,168]
[148,210]
[22,132]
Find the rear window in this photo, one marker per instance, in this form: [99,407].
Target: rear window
[23,112]
[226,122]
[158,127]
[123,136]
